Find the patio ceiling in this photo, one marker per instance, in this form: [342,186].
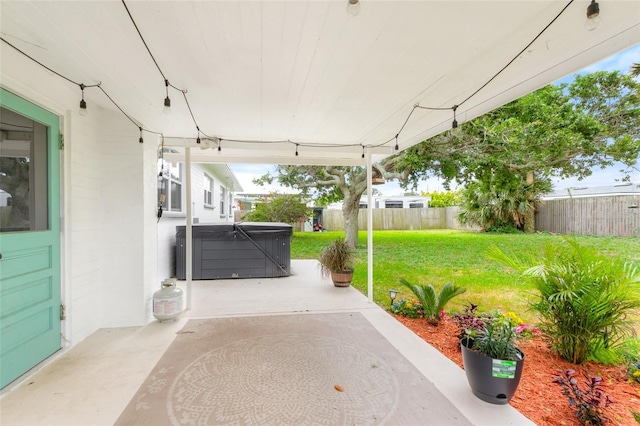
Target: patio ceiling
[306,72]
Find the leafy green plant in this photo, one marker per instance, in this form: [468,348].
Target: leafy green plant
[584,298]
[339,256]
[287,208]
[497,340]
[588,402]
[433,302]
[408,307]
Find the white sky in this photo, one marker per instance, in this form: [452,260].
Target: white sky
[245,173]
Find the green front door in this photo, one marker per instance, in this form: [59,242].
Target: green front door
[29,236]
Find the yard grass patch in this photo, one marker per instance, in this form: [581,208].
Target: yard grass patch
[440,256]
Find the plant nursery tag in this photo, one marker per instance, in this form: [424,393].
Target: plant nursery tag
[503,369]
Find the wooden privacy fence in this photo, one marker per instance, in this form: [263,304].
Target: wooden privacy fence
[616,215]
[390,219]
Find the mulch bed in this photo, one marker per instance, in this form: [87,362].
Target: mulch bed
[538,397]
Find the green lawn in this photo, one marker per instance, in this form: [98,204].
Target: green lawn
[440,256]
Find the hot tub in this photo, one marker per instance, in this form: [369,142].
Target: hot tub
[238,250]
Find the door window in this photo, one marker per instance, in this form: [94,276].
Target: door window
[23,174]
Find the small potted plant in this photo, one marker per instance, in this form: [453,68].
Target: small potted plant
[337,261]
[492,360]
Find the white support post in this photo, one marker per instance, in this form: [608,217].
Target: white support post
[189,242]
[369,228]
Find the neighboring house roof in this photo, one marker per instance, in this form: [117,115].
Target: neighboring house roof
[597,191]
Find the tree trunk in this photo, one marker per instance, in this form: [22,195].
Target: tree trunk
[529,217]
[350,210]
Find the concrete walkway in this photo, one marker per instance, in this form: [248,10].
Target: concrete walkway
[93,382]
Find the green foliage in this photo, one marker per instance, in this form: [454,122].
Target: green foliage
[339,256]
[584,299]
[287,208]
[503,228]
[497,339]
[501,202]
[630,353]
[433,302]
[556,131]
[444,198]
[589,402]
[411,308]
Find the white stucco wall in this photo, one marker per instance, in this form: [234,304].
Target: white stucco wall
[108,223]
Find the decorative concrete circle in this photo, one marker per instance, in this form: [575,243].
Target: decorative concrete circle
[284,379]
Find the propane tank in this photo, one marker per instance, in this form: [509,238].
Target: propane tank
[167,302]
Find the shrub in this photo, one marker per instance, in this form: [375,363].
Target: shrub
[584,299]
[433,302]
[589,402]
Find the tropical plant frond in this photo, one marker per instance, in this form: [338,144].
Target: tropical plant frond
[584,298]
[432,301]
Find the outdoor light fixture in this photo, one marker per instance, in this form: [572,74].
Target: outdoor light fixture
[353,7]
[140,140]
[396,147]
[167,101]
[593,16]
[198,140]
[297,150]
[392,295]
[83,104]
[454,125]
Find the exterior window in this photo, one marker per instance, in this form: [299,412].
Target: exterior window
[208,190]
[416,205]
[170,186]
[223,196]
[389,204]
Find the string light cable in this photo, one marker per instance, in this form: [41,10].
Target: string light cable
[297,144]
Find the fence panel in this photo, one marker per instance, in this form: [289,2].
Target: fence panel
[616,215]
[397,219]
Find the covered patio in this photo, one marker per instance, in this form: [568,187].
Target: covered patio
[95,381]
[278,82]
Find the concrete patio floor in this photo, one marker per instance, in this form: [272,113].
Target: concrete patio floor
[93,382]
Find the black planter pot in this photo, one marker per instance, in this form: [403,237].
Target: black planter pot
[493,381]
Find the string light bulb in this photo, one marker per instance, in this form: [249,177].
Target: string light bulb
[593,16]
[167,102]
[83,104]
[396,147]
[454,125]
[198,140]
[219,146]
[353,7]
[362,151]
[140,140]
[297,150]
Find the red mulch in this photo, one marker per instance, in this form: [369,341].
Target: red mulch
[537,396]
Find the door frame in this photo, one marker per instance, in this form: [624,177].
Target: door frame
[54,123]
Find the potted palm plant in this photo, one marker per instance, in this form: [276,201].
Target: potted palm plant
[337,261]
[492,361]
